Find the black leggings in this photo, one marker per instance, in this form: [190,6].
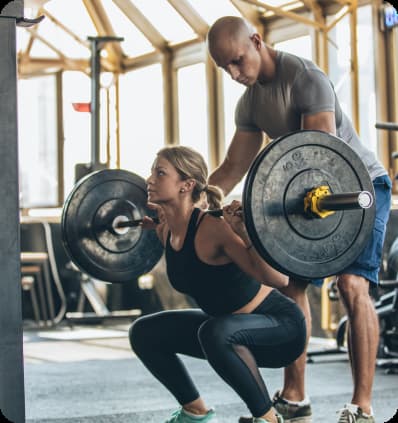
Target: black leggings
[235,345]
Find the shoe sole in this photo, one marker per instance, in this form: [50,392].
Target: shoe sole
[306,419]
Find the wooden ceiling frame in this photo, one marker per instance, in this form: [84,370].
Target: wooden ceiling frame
[250,13]
[138,19]
[60,25]
[104,27]
[191,17]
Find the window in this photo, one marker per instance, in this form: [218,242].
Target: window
[192,105]
[300,46]
[367,89]
[141,119]
[37,127]
[232,92]
[77,125]
[340,63]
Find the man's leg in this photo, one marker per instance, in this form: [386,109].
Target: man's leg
[294,374]
[363,336]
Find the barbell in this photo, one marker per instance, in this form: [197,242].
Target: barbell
[307,205]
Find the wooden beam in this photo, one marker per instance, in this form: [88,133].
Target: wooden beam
[142,23]
[37,66]
[101,22]
[58,23]
[316,9]
[170,95]
[215,114]
[130,63]
[191,17]
[250,13]
[285,13]
[34,34]
[344,11]
[354,67]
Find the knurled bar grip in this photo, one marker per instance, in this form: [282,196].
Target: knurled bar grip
[346,201]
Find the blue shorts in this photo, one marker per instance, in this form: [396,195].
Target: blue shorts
[368,262]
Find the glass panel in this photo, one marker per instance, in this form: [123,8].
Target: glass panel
[37,142]
[75,18]
[77,132]
[192,104]
[165,19]
[41,50]
[134,43]
[232,93]
[367,90]
[301,46]
[60,39]
[141,119]
[340,63]
[22,39]
[211,10]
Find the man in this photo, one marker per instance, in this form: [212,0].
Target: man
[287,93]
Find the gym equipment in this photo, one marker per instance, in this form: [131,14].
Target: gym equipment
[98,201]
[277,184]
[307,204]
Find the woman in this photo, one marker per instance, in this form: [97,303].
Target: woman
[242,324]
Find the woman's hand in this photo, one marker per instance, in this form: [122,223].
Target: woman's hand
[149,222]
[233,215]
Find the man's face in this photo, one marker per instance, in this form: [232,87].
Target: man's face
[240,58]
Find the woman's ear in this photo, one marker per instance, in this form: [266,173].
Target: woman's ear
[189,185]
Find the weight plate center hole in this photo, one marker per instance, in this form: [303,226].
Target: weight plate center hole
[115,223]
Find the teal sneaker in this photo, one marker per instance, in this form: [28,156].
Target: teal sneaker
[180,416]
[351,413]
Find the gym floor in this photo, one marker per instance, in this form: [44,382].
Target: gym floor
[89,374]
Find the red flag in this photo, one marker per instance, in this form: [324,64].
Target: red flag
[82,107]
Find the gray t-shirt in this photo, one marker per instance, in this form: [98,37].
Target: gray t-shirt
[299,88]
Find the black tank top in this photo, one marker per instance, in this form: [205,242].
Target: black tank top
[217,289]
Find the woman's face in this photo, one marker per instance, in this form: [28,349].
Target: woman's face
[165,183]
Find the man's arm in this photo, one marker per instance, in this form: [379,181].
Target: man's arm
[243,149]
[323,121]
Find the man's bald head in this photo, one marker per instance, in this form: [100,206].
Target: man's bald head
[228,29]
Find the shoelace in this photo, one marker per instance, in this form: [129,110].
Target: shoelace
[174,416]
[346,416]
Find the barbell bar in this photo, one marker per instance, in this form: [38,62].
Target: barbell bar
[308,206]
[325,203]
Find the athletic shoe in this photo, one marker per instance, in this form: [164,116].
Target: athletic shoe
[292,413]
[259,420]
[351,413]
[180,416]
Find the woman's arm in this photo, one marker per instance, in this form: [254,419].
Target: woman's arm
[236,245]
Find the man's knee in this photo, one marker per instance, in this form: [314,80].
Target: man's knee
[353,288]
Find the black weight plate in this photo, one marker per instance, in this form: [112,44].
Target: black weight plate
[92,244]
[273,198]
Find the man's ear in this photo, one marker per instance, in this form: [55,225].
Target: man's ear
[257,40]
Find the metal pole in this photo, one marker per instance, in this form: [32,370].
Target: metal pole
[95,100]
[96,45]
[12,395]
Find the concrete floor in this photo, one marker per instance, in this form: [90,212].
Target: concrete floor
[89,374]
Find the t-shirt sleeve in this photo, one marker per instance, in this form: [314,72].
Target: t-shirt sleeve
[312,92]
[243,115]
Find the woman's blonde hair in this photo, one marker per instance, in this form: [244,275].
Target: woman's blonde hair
[191,165]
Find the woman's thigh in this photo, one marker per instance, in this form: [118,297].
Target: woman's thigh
[173,330]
